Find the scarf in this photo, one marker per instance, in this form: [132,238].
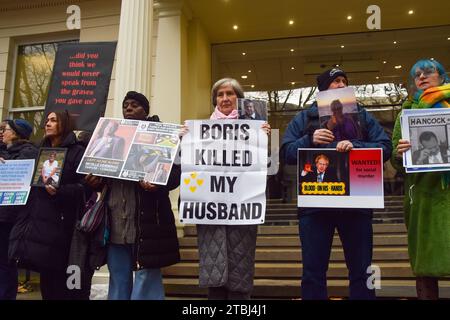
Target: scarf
[217,115]
[435,97]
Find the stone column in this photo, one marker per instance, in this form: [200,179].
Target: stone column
[133,64]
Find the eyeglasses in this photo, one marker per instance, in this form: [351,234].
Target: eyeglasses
[4,129]
[425,72]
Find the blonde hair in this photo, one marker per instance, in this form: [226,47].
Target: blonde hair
[321,156]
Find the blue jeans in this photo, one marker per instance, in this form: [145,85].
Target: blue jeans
[147,282]
[8,271]
[316,234]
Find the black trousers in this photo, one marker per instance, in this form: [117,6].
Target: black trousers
[54,286]
[8,271]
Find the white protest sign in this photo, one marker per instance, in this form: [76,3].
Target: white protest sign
[15,179]
[428,131]
[224,169]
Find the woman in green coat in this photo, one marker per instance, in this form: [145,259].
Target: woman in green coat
[427,200]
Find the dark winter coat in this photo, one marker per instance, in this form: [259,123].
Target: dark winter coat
[41,237]
[227,256]
[156,243]
[21,149]
[156,234]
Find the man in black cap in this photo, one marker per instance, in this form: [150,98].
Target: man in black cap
[143,235]
[317,225]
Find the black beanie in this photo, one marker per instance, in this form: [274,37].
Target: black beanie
[325,79]
[139,97]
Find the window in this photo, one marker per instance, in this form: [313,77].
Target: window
[32,81]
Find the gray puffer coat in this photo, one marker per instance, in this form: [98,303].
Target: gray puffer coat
[227,256]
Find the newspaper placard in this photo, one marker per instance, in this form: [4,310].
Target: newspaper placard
[15,179]
[331,179]
[428,131]
[338,112]
[131,150]
[224,169]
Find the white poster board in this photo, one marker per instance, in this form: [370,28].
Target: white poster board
[224,169]
[15,180]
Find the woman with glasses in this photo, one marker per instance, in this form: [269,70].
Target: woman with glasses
[427,205]
[14,137]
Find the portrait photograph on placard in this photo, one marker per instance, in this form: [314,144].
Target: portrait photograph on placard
[338,112]
[429,145]
[250,109]
[49,167]
[110,140]
[160,175]
[320,167]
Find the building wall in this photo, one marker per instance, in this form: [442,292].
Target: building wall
[181,75]
[46,21]
[198,106]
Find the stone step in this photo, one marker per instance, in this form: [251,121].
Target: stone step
[295,254]
[191,230]
[294,221]
[293,210]
[291,205]
[290,288]
[294,241]
[386,199]
[397,270]
[293,216]
[266,288]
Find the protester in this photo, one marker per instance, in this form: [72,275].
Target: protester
[427,203]
[317,225]
[227,252]
[15,136]
[41,238]
[143,232]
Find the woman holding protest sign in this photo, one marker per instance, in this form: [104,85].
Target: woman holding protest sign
[227,252]
[52,210]
[15,135]
[428,201]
